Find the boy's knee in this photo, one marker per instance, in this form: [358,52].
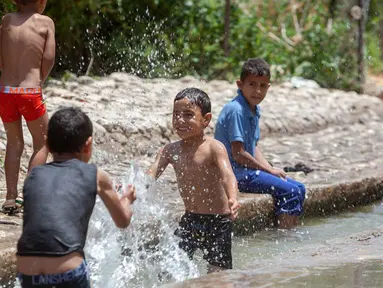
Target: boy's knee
[302,187]
[302,190]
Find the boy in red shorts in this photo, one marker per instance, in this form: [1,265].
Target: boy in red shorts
[27,54]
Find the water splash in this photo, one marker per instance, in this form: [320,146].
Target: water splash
[144,255]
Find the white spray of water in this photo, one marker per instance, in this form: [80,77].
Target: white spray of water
[144,255]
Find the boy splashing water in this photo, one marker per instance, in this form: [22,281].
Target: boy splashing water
[205,180]
[27,54]
[59,200]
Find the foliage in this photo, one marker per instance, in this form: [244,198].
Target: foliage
[158,38]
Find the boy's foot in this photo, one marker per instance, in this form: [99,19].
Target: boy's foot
[9,206]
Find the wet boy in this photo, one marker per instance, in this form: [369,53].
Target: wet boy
[59,198]
[27,53]
[237,128]
[205,180]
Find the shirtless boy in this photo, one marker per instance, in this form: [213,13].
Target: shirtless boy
[205,180]
[59,200]
[27,54]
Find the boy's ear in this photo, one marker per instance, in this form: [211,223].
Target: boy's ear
[88,145]
[207,119]
[239,84]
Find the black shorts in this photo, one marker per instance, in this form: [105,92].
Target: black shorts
[209,232]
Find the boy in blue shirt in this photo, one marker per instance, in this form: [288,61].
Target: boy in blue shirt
[238,129]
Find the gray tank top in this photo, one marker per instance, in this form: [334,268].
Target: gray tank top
[59,198]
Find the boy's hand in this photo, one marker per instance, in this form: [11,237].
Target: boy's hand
[130,194]
[278,172]
[233,206]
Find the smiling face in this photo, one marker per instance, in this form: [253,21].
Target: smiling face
[254,88]
[188,121]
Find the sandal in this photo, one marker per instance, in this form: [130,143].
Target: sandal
[19,201]
[9,206]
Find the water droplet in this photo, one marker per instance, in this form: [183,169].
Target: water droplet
[175,157]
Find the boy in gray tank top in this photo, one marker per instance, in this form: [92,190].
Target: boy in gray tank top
[59,198]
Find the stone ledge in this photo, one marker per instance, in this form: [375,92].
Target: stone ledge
[257,211]
[7,267]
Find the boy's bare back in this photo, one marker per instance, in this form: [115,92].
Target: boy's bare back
[27,49]
[199,171]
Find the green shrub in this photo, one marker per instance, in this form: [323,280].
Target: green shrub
[158,38]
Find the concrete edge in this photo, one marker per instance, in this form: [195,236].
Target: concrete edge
[257,211]
[7,267]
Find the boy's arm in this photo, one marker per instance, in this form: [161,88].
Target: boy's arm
[119,208]
[40,158]
[49,51]
[160,164]
[244,158]
[260,158]
[275,171]
[237,136]
[228,179]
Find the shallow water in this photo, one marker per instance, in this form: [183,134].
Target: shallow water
[351,275]
[271,243]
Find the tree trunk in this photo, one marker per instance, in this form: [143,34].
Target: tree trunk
[227,29]
[381,39]
[364,5]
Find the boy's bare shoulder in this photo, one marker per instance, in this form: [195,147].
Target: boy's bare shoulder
[214,144]
[45,20]
[171,148]
[6,18]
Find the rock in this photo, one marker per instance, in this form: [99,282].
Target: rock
[119,138]
[68,76]
[104,84]
[374,87]
[299,82]
[99,128]
[85,80]
[188,79]
[124,77]
[71,86]
[55,83]
[57,92]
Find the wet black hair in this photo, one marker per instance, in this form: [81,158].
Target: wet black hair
[197,97]
[256,67]
[68,130]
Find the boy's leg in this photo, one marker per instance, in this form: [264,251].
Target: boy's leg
[38,129]
[288,196]
[301,187]
[14,150]
[286,221]
[217,246]
[213,269]
[187,238]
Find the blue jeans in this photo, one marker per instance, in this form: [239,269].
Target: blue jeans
[76,278]
[288,194]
